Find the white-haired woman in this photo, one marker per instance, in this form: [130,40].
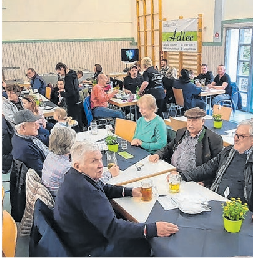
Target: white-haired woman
[152,83]
[151,132]
[57,162]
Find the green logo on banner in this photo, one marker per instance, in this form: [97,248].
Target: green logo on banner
[175,36]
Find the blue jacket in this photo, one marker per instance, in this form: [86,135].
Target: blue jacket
[27,152]
[189,90]
[38,83]
[84,213]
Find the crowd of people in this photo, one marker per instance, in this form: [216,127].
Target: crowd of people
[73,170]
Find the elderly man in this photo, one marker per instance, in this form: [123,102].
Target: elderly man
[86,217]
[193,145]
[132,81]
[13,104]
[205,75]
[36,81]
[99,100]
[232,169]
[222,81]
[26,147]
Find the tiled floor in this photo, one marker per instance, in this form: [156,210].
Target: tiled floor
[22,248]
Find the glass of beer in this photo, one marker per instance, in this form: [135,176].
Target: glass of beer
[111,159]
[174,181]
[146,190]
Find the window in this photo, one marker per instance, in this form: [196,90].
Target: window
[239,62]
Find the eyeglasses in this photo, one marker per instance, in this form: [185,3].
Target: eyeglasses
[238,136]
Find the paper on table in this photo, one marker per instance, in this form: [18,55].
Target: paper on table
[167,203]
[125,155]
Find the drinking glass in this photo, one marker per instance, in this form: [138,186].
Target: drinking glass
[123,144]
[93,128]
[146,190]
[174,182]
[111,159]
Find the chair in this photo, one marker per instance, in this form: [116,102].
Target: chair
[46,238]
[178,94]
[9,235]
[125,129]
[48,92]
[224,111]
[177,124]
[34,190]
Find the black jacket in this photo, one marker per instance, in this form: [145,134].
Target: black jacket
[208,147]
[71,88]
[208,76]
[7,133]
[209,170]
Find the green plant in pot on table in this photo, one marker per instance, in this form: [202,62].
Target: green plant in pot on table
[217,121]
[234,212]
[112,143]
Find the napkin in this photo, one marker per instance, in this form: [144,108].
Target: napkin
[167,203]
[125,155]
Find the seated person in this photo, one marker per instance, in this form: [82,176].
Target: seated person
[168,83]
[189,90]
[84,213]
[29,103]
[99,100]
[4,94]
[97,70]
[26,146]
[193,145]
[36,81]
[191,76]
[151,132]
[132,81]
[232,168]
[13,104]
[222,81]
[58,94]
[60,115]
[205,75]
[80,77]
[57,162]
[138,64]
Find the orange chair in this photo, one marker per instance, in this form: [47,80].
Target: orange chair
[125,129]
[225,112]
[48,92]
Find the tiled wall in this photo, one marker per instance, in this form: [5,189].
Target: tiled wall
[43,56]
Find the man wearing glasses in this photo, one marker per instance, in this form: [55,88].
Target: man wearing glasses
[232,169]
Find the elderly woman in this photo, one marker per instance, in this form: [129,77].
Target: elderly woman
[57,162]
[152,83]
[150,133]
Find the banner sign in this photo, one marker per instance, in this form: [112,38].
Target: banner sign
[180,35]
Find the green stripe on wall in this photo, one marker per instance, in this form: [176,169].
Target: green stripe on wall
[131,39]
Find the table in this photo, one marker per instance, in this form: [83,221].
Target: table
[199,235]
[226,131]
[121,104]
[208,94]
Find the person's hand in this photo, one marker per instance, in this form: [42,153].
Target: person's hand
[172,172]
[136,192]
[114,170]
[201,184]
[165,229]
[127,91]
[154,158]
[198,84]
[136,142]
[115,91]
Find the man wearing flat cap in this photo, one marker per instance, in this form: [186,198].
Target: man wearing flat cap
[26,146]
[193,145]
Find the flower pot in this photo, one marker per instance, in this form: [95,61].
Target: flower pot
[217,124]
[232,226]
[113,148]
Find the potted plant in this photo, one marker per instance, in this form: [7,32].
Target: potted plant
[233,214]
[112,143]
[217,121]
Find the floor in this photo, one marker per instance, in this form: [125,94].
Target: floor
[22,247]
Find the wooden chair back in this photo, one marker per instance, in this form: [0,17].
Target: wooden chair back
[125,129]
[224,111]
[48,92]
[177,124]
[178,93]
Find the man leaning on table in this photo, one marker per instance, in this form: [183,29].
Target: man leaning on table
[232,168]
[193,145]
[99,100]
[86,217]
[222,81]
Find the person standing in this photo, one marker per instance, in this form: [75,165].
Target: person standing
[71,93]
[36,81]
[152,84]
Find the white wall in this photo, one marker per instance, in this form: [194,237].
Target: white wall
[60,19]
[238,9]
